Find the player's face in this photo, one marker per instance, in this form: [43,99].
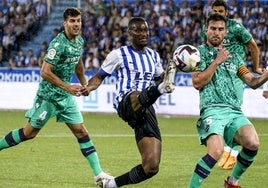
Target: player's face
[72,26]
[220,10]
[215,32]
[139,34]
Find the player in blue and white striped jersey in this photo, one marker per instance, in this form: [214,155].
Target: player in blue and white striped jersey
[140,81]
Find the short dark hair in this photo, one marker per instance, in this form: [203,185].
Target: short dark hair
[71,11]
[215,17]
[220,3]
[135,20]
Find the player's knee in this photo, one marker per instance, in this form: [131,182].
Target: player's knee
[151,167]
[148,96]
[30,136]
[78,130]
[152,171]
[217,153]
[29,132]
[252,145]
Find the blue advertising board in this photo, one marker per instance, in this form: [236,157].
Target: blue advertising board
[33,75]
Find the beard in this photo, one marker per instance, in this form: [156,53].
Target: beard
[215,42]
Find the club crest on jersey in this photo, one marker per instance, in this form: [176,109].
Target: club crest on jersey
[51,53]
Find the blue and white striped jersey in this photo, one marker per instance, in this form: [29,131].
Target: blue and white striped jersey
[134,70]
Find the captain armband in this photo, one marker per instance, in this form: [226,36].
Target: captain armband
[242,71]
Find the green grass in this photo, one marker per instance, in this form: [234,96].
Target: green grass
[53,158]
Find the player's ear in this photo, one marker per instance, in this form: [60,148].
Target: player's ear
[227,13]
[63,23]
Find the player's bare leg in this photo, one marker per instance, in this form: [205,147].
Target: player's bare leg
[136,109]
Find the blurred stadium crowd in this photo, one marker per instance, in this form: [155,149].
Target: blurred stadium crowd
[171,23]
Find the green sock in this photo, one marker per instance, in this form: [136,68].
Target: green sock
[12,138]
[88,150]
[244,160]
[3,143]
[202,170]
[236,148]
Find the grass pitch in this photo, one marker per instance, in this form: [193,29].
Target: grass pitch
[53,158]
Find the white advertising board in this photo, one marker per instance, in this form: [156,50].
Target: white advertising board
[183,101]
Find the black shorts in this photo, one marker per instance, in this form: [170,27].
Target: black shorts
[143,121]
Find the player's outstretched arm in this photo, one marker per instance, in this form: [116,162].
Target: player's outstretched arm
[48,75]
[93,83]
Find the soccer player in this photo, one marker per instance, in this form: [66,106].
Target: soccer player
[139,84]
[237,39]
[55,95]
[220,79]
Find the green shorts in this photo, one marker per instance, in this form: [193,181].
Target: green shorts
[223,121]
[65,111]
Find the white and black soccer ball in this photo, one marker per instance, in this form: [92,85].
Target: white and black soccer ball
[186,57]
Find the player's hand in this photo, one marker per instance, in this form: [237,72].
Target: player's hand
[75,90]
[259,71]
[265,94]
[84,91]
[222,56]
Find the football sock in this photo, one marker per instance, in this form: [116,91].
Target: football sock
[234,153]
[135,175]
[202,170]
[244,160]
[112,184]
[227,149]
[12,138]
[89,151]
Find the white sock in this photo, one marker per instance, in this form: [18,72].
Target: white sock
[112,184]
[232,180]
[227,149]
[234,153]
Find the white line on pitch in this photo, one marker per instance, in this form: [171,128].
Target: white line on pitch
[125,135]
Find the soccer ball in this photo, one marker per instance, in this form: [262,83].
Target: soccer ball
[186,57]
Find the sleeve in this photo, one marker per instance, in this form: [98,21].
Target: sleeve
[203,59]
[53,52]
[242,33]
[158,67]
[111,63]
